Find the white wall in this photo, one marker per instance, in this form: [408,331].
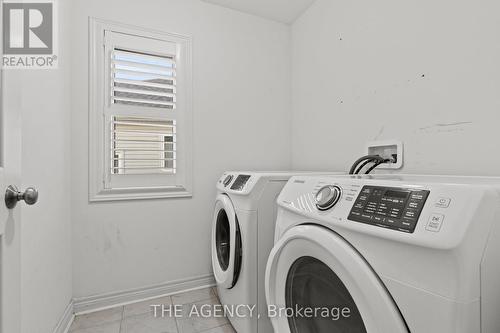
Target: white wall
[241,121]
[425,72]
[46,270]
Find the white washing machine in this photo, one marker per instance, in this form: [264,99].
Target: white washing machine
[242,237]
[402,253]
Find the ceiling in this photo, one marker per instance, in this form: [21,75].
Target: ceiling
[285,11]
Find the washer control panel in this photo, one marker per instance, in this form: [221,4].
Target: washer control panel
[240,182]
[389,207]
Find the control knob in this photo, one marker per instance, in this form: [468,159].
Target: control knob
[227,180]
[328,196]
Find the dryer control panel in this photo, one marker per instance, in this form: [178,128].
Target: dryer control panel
[428,211]
[389,207]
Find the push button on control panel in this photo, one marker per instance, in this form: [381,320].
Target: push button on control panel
[415,204]
[443,202]
[411,213]
[435,222]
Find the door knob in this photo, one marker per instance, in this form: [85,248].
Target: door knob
[12,196]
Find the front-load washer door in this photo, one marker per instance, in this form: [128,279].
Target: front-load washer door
[316,282]
[226,243]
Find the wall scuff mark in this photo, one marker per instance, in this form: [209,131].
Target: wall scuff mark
[445,127]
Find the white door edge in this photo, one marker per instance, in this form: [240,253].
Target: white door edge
[11,93]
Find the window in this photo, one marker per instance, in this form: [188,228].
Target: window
[143,79]
[142,145]
[140,113]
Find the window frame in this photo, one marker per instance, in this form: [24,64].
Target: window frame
[146,186]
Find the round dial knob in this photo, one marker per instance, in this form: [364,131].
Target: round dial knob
[227,180]
[327,197]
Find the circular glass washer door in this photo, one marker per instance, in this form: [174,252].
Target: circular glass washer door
[313,268]
[226,243]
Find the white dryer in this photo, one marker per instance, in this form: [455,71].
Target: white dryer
[242,237]
[401,253]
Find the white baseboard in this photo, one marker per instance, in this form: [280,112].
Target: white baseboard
[104,301]
[66,319]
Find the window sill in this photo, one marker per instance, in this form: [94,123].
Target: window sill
[140,194]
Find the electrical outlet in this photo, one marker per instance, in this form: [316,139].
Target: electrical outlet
[390,149]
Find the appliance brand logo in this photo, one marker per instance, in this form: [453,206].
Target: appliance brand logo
[29,34]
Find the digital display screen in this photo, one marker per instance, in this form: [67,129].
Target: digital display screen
[396,194]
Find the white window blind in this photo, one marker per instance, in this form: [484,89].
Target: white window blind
[140,133]
[142,145]
[143,79]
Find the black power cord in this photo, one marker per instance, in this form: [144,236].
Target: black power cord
[376,165]
[366,159]
[358,170]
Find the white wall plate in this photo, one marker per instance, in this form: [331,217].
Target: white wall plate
[386,149]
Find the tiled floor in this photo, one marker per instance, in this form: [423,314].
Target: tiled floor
[139,317]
